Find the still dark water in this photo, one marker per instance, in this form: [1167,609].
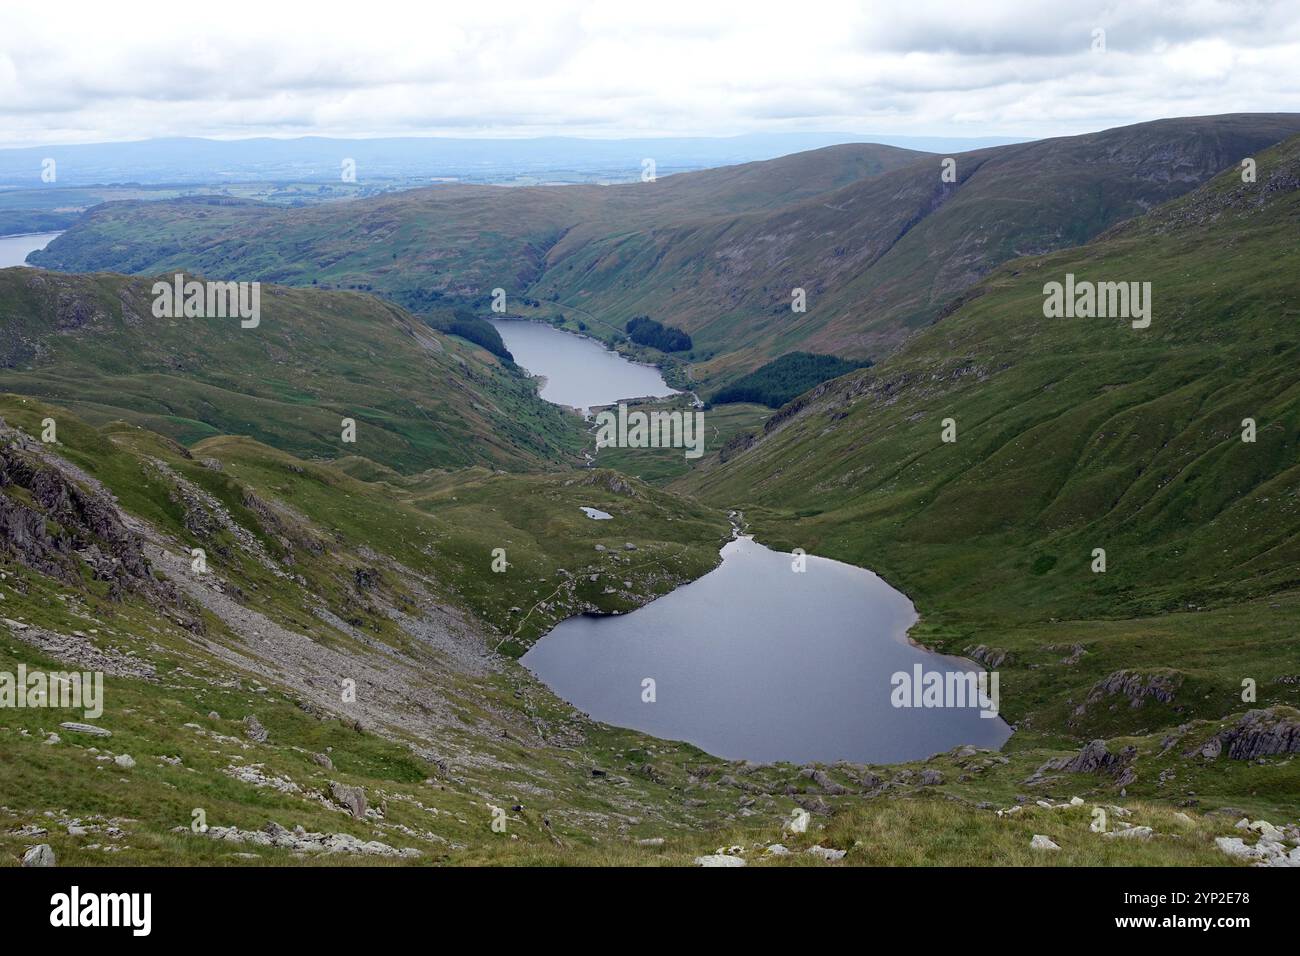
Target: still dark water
[754,661]
[579,371]
[15,249]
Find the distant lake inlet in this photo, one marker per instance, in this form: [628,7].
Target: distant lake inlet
[14,250]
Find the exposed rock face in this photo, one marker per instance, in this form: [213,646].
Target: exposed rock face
[1259,733]
[299,840]
[823,781]
[991,657]
[289,531]
[1094,758]
[737,444]
[353,798]
[611,481]
[67,527]
[57,528]
[1276,181]
[1136,687]
[39,855]
[254,730]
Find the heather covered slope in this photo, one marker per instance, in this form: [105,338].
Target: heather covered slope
[419,399]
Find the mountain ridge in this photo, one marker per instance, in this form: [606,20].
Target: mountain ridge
[693,250]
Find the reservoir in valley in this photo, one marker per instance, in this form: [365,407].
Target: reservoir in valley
[759,662]
[754,660]
[15,249]
[578,371]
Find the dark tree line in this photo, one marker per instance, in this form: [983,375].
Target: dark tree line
[780,380]
[644,330]
[469,326]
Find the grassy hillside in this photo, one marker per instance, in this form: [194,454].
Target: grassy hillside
[225,701]
[351,637]
[419,399]
[438,246]
[883,256]
[785,378]
[877,239]
[1072,435]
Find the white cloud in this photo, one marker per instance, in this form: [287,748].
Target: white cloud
[89,71]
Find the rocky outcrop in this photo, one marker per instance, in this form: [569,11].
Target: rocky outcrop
[64,527]
[1258,733]
[85,729]
[300,841]
[610,481]
[39,855]
[53,525]
[990,657]
[353,799]
[1094,758]
[1136,687]
[823,782]
[736,445]
[1269,850]
[254,730]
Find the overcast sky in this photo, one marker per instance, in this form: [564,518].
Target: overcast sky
[75,72]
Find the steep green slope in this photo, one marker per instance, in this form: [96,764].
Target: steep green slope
[1075,434]
[883,256]
[419,399]
[312,579]
[783,379]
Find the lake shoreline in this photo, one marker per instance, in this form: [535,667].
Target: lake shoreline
[580,371]
[708,738]
[13,248]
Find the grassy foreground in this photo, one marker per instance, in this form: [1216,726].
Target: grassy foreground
[228,691]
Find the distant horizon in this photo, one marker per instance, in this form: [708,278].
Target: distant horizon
[510,69]
[874,138]
[386,162]
[877,137]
